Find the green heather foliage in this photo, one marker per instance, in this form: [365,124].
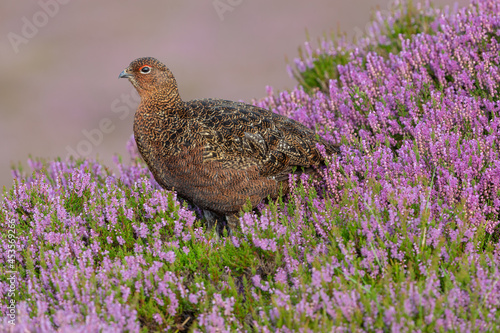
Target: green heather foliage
[400,233]
[315,68]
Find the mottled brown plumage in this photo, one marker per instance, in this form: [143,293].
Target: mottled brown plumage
[215,153]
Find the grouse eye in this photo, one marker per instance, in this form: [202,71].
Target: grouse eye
[145,69]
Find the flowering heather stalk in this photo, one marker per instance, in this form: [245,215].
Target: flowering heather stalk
[400,233]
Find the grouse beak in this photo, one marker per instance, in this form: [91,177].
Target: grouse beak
[124,74]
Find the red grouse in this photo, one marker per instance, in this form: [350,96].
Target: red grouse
[215,153]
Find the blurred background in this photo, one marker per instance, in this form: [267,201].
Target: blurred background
[60,60]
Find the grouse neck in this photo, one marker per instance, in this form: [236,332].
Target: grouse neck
[163,107]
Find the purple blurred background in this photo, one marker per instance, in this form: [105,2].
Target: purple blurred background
[60,61]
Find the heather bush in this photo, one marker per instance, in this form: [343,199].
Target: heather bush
[400,232]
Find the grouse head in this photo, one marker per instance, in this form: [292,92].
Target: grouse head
[151,78]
